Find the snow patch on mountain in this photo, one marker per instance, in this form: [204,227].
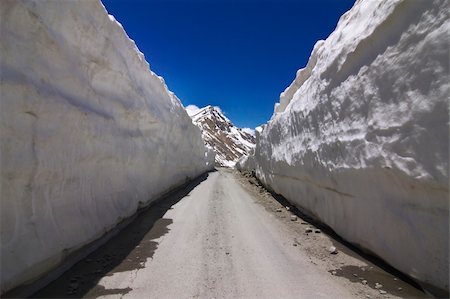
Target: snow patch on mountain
[192,109]
[360,139]
[88,133]
[229,142]
[249,131]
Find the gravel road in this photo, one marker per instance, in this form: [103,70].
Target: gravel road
[218,239]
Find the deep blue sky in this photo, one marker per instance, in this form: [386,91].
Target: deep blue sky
[239,55]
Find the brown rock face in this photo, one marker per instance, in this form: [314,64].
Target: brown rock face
[218,132]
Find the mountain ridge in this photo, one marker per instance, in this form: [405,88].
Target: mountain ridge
[218,132]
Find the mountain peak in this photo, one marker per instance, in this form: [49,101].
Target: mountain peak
[219,133]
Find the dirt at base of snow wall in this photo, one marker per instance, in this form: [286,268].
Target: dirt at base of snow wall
[361,139]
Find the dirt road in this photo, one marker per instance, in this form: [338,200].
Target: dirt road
[216,239]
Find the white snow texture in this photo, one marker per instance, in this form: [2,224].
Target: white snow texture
[360,139]
[88,133]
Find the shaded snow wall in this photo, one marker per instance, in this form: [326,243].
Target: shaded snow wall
[361,138]
[88,132]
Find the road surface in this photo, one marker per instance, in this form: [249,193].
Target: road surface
[212,241]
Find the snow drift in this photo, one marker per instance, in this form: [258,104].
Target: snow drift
[88,133]
[246,163]
[360,139]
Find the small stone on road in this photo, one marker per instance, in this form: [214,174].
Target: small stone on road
[333,250]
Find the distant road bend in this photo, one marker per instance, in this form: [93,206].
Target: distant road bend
[211,240]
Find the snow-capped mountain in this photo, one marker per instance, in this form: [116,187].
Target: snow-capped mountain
[229,142]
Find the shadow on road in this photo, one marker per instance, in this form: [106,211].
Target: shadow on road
[348,248]
[127,250]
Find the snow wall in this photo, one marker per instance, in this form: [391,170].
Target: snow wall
[88,133]
[360,139]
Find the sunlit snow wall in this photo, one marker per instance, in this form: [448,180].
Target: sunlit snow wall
[360,139]
[88,133]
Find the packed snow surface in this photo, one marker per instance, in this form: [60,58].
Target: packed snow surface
[360,139]
[88,133]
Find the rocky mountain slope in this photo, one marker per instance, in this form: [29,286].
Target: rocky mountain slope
[88,133]
[229,142]
[360,139]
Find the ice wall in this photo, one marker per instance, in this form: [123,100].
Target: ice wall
[360,139]
[88,132]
